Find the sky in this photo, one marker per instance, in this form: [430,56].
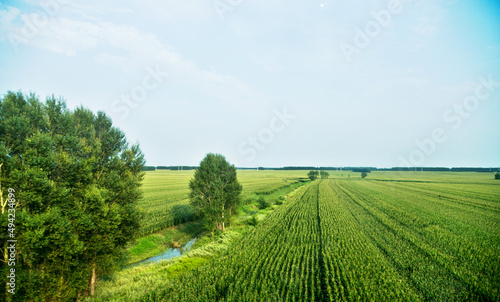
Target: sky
[273,83]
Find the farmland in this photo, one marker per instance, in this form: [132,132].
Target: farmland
[165,199]
[417,236]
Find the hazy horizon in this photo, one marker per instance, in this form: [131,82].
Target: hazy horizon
[271,83]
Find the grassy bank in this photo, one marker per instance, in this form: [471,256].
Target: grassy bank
[130,284]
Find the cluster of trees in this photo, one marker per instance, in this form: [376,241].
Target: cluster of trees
[77,182]
[215,191]
[313,175]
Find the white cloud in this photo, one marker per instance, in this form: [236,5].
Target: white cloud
[122,43]
[7,18]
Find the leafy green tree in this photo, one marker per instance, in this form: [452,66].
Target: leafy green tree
[497,176]
[324,174]
[215,191]
[77,183]
[364,174]
[313,175]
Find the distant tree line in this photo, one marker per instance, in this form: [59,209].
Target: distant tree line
[353,169]
[361,170]
[440,169]
[175,168]
[370,169]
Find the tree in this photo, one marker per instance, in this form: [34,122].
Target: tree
[497,176]
[77,183]
[324,174]
[313,175]
[364,174]
[215,191]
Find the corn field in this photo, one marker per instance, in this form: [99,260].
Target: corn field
[361,240]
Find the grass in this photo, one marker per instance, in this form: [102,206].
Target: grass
[412,237]
[153,244]
[165,201]
[391,236]
[130,284]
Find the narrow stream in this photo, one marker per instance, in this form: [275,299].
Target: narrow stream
[168,254]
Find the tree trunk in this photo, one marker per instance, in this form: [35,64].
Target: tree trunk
[92,281]
[1,194]
[223,217]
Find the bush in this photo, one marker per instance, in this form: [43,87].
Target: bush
[279,201]
[253,220]
[262,203]
[364,174]
[248,200]
[497,176]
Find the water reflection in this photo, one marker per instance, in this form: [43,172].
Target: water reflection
[168,254]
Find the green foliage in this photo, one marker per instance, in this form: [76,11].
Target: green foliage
[340,240]
[497,175]
[324,174]
[262,203]
[215,191]
[313,175]
[364,174]
[77,184]
[252,220]
[279,200]
[166,194]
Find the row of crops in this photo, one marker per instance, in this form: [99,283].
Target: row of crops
[361,240]
[165,199]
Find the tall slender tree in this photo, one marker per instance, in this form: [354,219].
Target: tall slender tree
[215,191]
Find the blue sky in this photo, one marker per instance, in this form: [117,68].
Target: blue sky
[271,83]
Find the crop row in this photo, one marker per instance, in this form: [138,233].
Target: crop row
[356,240]
[165,199]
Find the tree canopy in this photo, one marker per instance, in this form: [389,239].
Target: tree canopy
[313,175]
[77,182]
[215,191]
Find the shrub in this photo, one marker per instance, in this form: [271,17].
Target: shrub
[253,220]
[497,176]
[262,203]
[279,200]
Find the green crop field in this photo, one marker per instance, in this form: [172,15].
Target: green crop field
[417,236]
[165,199]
